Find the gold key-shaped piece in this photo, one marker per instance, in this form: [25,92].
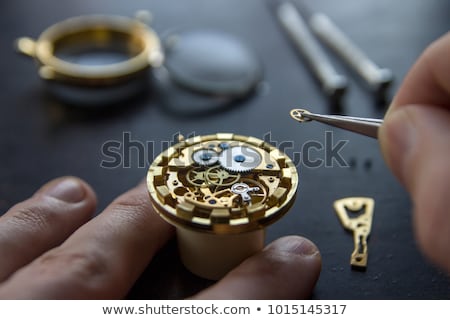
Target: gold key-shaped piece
[360,225]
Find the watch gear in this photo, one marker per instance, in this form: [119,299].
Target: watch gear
[220,177]
[239,159]
[205,157]
[196,177]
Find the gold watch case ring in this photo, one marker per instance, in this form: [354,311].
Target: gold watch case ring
[141,41]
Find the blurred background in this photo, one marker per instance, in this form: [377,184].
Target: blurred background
[43,137]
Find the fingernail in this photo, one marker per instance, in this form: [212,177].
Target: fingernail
[68,190]
[300,246]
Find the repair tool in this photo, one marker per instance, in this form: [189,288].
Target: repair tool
[323,27]
[366,126]
[333,84]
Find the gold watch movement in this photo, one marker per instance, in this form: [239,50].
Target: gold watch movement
[222,183]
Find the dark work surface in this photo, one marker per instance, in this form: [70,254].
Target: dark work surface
[41,138]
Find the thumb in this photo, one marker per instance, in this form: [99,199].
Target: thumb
[288,268]
[415,143]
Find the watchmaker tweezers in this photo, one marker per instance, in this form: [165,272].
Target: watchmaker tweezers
[366,126]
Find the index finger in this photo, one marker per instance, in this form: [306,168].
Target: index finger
[102,259]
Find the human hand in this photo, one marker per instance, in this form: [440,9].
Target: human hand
[52,249]
[415,140]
